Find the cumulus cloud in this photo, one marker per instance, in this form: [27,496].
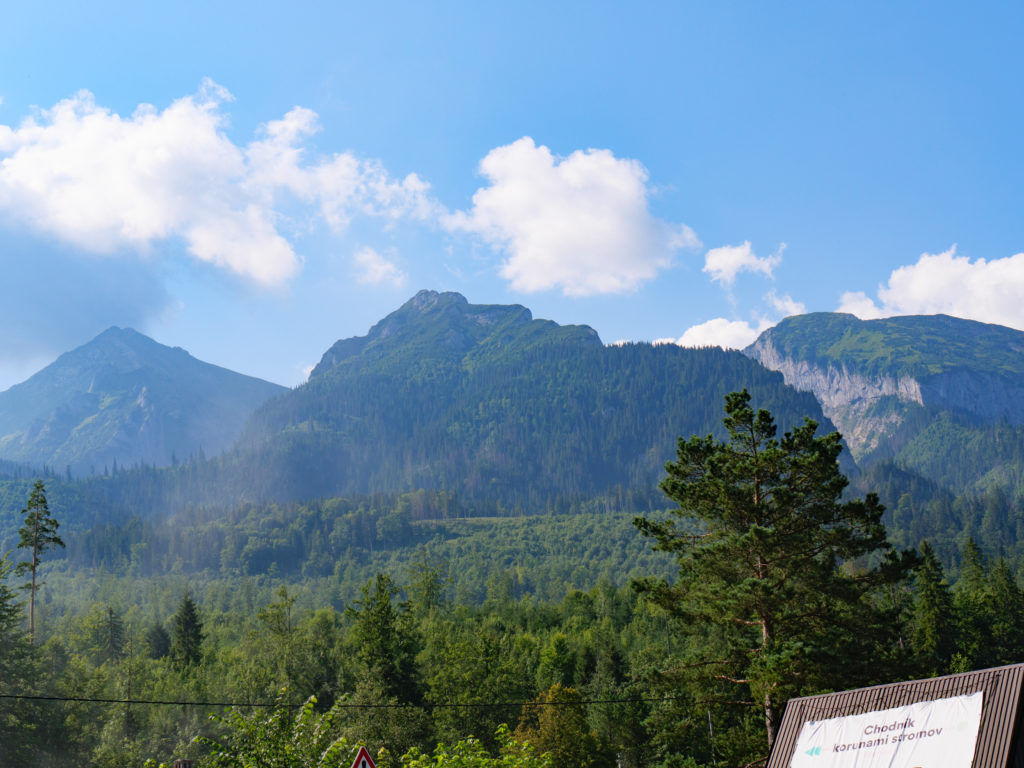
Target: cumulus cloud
[579,223]
[724,263]
[785,305]
[860,304]
[945,283]
[720,332]
[373,269]
[737,334]
[105,182]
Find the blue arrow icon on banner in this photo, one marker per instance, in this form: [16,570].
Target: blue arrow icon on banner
[814,751]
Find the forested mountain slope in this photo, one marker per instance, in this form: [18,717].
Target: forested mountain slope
[124,398]
[495,406]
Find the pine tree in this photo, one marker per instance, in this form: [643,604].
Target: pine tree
[767,554]
[38,534]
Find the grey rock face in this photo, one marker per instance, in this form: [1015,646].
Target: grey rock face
[869,407]
[848,398]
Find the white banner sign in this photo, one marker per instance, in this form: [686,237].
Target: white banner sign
[929,734]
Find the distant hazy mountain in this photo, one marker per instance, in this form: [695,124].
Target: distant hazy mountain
[124,398]
[492,404]
[941,395]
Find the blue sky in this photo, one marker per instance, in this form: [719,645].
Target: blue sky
[253,181]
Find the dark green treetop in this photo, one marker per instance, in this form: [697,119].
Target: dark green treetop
[386,641]
[934,626]
[157,641]
[186,633]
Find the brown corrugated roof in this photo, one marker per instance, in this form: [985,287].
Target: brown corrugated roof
[1000,715]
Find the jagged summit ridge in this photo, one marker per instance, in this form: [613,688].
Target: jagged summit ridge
[439,326]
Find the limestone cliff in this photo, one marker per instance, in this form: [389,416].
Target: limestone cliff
[871,376]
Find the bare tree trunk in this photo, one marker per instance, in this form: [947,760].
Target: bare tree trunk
[32,609]
[771,721]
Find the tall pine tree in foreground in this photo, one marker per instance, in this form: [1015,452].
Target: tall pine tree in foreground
[775,571]
[38,534]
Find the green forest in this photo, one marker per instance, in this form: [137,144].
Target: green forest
[443,631]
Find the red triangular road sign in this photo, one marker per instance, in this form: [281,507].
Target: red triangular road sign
[363,759]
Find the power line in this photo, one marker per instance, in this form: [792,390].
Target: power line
[340,705]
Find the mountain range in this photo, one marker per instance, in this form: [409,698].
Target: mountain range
[486,402]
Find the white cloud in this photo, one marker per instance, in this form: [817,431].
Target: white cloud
[102,182]
[373,269]
[579,223]
[860,304]
[945,283]
[786,305]
[737,334]
[719,332]
[724,263]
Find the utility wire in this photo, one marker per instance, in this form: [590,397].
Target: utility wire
[340,705]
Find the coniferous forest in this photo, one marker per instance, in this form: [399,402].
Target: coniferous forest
[427,628]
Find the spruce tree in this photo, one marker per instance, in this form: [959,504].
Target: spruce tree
[558,725]
[1006,608]
[386,641]
[970,603]
[772,570]
[186,634]
[934,636]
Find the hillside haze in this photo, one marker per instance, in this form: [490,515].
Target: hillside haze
[124,398]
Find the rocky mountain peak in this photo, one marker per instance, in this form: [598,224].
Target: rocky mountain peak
[445,326]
